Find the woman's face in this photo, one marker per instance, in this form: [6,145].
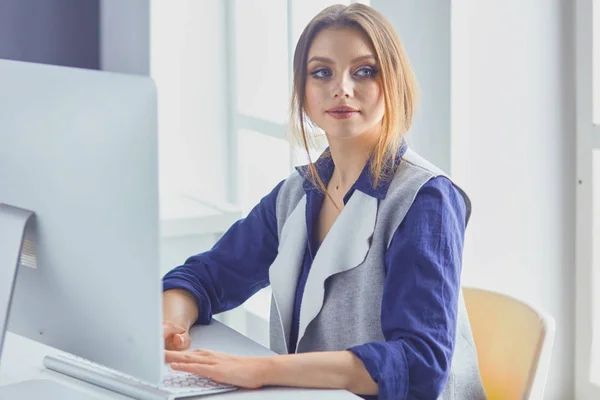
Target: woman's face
[343,92]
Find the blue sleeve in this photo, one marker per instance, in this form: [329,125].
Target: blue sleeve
[420,297]
[236,267]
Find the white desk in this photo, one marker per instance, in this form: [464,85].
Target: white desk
[22,360]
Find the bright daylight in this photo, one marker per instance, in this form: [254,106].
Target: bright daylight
[300,199]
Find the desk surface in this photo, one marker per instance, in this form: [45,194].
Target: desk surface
[22,360]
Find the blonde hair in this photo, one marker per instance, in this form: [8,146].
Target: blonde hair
[396,78]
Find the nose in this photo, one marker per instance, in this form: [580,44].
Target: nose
[343,87]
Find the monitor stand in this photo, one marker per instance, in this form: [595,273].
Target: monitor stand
[16,232]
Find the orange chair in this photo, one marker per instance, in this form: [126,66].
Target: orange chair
[514,344]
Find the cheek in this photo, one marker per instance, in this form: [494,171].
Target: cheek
[313,100]
[375,95]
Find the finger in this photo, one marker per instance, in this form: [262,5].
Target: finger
[214,354]
[182,341]
[188,357]
[177,356]
[169,345]
[207,371]
[170,329]
[204,352]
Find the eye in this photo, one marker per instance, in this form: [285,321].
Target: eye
[321,73]
[366,72]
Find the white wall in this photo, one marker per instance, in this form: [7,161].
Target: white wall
[513,151]
[424,28]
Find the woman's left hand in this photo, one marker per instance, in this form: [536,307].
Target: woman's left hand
[246,372]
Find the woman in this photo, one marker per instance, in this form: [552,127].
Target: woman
[362,248]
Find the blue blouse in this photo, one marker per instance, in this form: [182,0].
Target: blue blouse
[420,294]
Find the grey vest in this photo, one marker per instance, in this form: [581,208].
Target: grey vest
[341,306]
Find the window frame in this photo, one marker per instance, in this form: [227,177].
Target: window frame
[587,139]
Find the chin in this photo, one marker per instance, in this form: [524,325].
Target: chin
[343,132]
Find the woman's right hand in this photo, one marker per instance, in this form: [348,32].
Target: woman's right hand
[176,336]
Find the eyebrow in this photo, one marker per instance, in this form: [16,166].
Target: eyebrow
[330,61]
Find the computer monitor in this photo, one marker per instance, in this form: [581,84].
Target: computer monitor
[78,149]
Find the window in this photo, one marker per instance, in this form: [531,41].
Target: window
[260,96]
[587,38]
[191,80]
[262,65]
[223,71]
[223,74]
[596,62]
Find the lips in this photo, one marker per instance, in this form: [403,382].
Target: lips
[342,112]
[342,109]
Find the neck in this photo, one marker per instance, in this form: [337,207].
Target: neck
[350,157]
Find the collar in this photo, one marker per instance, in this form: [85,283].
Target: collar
[365,182]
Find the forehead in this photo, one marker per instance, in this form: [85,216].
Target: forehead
[332,42]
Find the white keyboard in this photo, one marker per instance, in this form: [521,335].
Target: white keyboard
[175,384]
